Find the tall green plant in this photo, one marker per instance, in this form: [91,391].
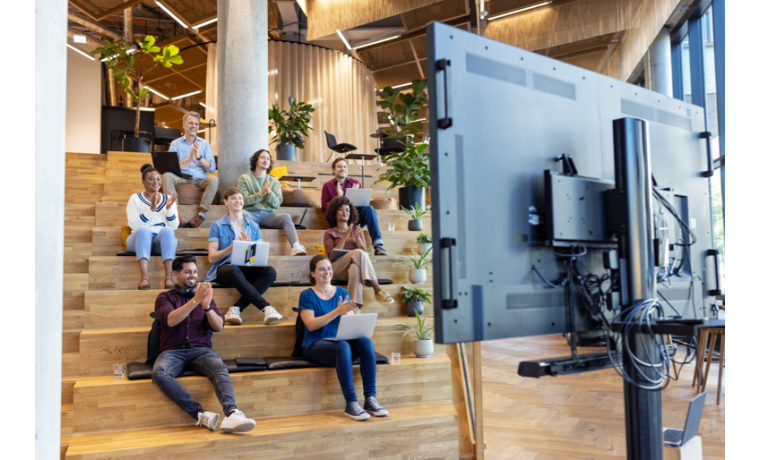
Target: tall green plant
[121,57]
[410,168]
[290,126]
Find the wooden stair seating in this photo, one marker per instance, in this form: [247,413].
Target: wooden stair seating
[299,412]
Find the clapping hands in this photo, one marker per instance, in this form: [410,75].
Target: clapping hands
[345,307]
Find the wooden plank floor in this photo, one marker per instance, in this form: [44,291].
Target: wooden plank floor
[575,416]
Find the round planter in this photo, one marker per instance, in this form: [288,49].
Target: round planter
[408,196]
[422,247]
[135,144]
[287,152]
[417,275]
[415,225]
[423,348]
[411,307]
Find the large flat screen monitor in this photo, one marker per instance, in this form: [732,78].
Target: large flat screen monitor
[512,217]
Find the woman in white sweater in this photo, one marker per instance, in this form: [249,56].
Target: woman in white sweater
[153,217]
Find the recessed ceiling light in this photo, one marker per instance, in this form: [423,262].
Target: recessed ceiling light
[520,10]
[375,43]
[188,94]
[155,92]
[173,16]
[81,52]
[204,24]
[345,41]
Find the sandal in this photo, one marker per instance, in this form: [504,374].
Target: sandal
[167,285]
[143,287]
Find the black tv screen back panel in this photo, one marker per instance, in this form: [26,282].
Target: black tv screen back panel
[499,116]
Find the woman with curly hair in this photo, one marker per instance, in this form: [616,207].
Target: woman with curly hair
[355,266]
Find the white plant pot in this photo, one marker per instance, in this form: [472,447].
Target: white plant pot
[417,275]
[422,247]
[423,348]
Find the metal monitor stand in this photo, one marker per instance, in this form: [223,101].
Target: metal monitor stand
[633,185]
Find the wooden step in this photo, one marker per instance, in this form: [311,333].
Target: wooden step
[71,341]
[132,308]
[123,178]
[105,403]
[69,364]
[73,319]
[67,419]
[114,272]
[114,214]
[421,430]
[99,349]
[106,241]
[67,390]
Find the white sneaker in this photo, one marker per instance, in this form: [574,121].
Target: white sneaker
[271,315]
[208,419]
[298,250]
[236,422]
[233,316]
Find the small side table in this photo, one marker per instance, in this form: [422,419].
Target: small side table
[362,156]
[298,178]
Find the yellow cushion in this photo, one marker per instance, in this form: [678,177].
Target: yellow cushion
[321,250]
[125,232]
[279,172]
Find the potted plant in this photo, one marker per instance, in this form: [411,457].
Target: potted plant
[415,223]
[414,298]
[423,342]
[418,264]
[424,242]
[120,56]
[410,169]
[290,127]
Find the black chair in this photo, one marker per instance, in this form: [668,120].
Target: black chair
[391,145]
[341,149]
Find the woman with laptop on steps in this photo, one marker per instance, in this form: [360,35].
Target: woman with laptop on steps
[355,265]
[251,282]
[153,217]
[320,308]
[262,195]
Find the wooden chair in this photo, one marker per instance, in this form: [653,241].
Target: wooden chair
[708,337]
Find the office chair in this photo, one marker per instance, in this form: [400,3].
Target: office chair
[341,149]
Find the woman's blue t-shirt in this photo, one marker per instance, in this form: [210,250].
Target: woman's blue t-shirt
[309,300]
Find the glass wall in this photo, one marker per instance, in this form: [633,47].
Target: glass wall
[696,80]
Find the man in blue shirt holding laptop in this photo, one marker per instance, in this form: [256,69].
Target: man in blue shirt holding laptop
[197,160]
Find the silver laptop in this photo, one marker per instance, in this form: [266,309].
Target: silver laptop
[250,253]
[359,196]
[675,437]
[355,326]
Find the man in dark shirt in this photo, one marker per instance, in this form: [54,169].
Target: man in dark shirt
[186,316]
[367,214]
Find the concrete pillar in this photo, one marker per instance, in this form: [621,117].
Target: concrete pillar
[242,86]
[660,67]
[50,25]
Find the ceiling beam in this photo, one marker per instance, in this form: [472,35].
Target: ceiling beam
[93,26]
[102,13]
[325,16]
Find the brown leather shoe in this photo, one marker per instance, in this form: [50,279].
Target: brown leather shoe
[196,222]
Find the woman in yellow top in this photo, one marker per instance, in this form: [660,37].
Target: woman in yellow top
[262,195]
